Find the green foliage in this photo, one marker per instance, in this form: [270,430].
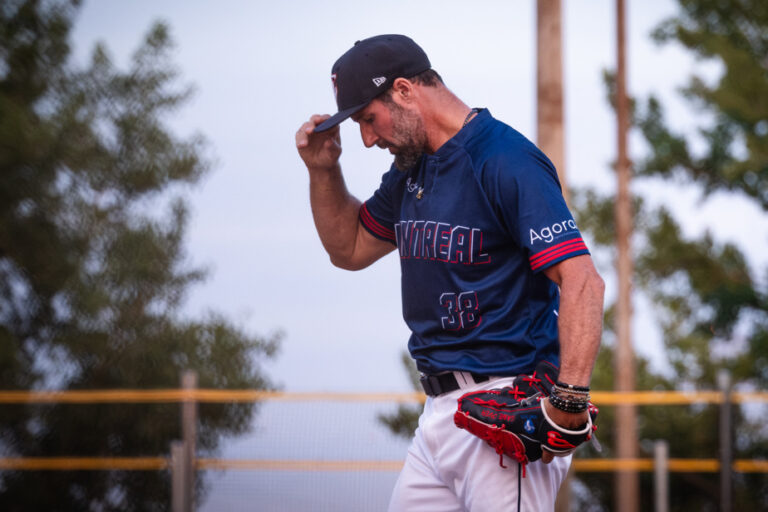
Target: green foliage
[704,292]
[735,140]
[92,265]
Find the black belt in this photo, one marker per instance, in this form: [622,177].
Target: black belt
[445,383]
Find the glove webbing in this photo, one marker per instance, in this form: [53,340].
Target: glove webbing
[496,436]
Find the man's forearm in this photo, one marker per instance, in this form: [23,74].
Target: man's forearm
[580,324]
[334,211]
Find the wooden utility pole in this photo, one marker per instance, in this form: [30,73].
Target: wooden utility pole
[549,115]
[549,85]
[627,482]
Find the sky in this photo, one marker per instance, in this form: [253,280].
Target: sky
[260,69]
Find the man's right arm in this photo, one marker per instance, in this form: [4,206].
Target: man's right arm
[334,209]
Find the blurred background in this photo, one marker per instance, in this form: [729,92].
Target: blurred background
[154,218]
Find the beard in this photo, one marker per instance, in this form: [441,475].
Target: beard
[408,137]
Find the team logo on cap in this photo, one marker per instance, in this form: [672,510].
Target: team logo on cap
[335,88]
[379,80]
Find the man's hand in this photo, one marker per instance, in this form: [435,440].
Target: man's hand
[564,419]
[318,150]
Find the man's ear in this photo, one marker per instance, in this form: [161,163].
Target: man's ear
[403,91]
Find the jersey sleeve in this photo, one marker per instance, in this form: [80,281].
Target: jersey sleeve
[377,214]
[529,201]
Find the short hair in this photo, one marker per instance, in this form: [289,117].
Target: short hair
[428,78]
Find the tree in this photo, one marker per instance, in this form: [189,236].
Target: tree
[734,35]
[92,264]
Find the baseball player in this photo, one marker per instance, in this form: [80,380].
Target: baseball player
[496,278]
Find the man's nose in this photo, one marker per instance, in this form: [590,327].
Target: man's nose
[368,135]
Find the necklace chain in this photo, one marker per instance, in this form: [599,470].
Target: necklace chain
[469,116]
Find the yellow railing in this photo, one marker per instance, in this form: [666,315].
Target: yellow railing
[230,396]
[161,463]
[238,395]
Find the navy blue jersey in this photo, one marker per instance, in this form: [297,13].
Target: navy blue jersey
[474,225]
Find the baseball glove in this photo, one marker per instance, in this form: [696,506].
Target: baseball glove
[513,420]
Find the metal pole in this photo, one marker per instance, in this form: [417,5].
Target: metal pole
[661,476]
[189,437]
[726,451]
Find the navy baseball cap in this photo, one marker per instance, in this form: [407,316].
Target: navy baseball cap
[368,69]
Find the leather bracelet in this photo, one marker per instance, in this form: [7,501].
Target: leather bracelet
[572,387]
[567,391]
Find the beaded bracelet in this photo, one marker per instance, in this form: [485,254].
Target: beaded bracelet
[566,405]
[569,393]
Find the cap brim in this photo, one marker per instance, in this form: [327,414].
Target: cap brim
[338,117]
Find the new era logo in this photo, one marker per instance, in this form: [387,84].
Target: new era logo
[379,80]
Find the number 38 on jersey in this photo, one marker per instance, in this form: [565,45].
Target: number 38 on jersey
[463,311]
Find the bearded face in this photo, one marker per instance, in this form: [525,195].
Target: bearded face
[409,139]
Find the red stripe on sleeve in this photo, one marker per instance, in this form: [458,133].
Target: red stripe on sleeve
[556,255]
[557,247]
[376,227]
[556,251]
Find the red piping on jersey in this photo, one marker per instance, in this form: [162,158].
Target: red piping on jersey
[375,226]
[554,252]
